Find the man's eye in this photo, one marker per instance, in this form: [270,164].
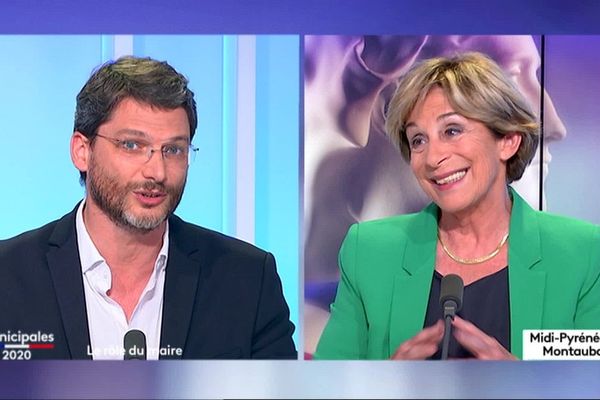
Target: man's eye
[131,145]
[172,150]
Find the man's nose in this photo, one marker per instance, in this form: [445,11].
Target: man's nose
[155,167]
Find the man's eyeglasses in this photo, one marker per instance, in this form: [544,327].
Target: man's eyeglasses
[142,151]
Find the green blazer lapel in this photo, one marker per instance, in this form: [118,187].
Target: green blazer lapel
[526,285]
[412,284]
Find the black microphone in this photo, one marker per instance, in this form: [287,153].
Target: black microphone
[451,295]
[134,344]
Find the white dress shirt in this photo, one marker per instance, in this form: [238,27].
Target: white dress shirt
[106,319]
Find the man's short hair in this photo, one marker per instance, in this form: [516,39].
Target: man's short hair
[145,80]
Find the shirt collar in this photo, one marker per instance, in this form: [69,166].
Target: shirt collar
[90,256]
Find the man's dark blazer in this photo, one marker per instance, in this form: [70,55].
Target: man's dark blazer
[222,297]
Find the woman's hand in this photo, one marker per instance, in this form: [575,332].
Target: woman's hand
[482,346]
[424,344]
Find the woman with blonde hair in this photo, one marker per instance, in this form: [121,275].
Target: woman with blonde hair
[467,133]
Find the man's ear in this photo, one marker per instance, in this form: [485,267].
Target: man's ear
[80,151]
[509,145]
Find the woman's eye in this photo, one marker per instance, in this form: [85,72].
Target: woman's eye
[453,131]
[417,143]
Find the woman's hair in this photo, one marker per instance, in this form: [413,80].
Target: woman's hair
[476,88]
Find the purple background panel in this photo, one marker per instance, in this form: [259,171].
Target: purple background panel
[298,17]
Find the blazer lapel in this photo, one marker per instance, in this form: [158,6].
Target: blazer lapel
[65,270]
[526,285]
[413,284]
[181,283]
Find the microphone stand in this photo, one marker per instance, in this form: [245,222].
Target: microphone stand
[451,294]
[449,312]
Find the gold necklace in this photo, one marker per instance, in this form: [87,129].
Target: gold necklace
[476,260]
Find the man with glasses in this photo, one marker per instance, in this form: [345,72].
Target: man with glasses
[121,262]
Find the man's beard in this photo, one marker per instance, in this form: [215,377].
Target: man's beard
[111,198]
